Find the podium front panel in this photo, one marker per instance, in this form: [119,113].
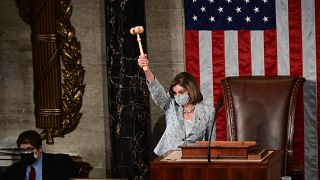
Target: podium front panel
[170,166]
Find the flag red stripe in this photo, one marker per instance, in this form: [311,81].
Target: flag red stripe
[295,37]
[244,53]
[317,25]
[192,54]
[218,73]
[295,54]
[270,53]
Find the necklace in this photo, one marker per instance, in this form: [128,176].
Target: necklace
[188,112]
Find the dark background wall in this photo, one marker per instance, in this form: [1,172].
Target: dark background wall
[92,138]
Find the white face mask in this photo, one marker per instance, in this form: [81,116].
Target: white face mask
[182,99]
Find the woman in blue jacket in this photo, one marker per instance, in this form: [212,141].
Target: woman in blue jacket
[188,119]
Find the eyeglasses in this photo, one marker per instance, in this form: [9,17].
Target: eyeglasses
[27,150]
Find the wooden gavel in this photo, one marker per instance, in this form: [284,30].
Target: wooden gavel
[136,31]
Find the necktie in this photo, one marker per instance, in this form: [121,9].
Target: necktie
[32,174]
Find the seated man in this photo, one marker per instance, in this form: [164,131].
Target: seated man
[37,165]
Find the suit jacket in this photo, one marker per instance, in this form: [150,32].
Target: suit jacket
[175,132]
[54,167]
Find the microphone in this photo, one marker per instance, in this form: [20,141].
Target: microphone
[218,105]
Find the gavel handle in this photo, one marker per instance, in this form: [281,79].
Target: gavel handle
[145,68]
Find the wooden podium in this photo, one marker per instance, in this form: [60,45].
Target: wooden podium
[173,165]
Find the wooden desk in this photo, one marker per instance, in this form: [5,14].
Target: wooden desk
[171,166]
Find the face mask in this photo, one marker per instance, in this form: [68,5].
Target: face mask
[182,99]
[28,158]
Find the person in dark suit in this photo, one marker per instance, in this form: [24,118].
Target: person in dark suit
[37,165]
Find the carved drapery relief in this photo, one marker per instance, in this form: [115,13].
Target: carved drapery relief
[53,39]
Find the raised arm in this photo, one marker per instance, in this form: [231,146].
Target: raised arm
[158,94]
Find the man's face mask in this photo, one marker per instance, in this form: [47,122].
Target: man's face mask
[182,99]
[28,158]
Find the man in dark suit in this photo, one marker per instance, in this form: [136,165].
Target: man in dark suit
[37,165]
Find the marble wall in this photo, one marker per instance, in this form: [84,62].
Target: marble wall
[91,139]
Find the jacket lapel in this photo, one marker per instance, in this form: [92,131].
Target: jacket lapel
[198,117]
[44,167]
[179,112]
[22,171]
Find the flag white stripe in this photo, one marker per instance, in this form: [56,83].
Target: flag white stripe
[310,104]
[282,37]
[231,53]
[206,85]
[257,52]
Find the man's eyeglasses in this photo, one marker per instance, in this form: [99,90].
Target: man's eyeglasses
[26,151]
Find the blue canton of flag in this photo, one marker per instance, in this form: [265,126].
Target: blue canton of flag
[229,14]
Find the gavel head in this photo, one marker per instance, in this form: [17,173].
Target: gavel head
[136,30]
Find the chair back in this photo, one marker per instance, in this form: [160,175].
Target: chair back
[262,109]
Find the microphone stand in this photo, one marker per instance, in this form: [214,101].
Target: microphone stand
[218,105]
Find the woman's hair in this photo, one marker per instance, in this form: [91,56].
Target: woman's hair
[188,82]
[30,137]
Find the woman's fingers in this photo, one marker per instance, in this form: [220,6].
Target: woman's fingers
[143,61]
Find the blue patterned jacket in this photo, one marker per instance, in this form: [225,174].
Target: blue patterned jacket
[175,133]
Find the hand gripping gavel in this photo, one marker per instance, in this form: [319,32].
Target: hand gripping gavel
[136,31]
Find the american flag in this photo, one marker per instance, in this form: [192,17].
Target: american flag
[259,37]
